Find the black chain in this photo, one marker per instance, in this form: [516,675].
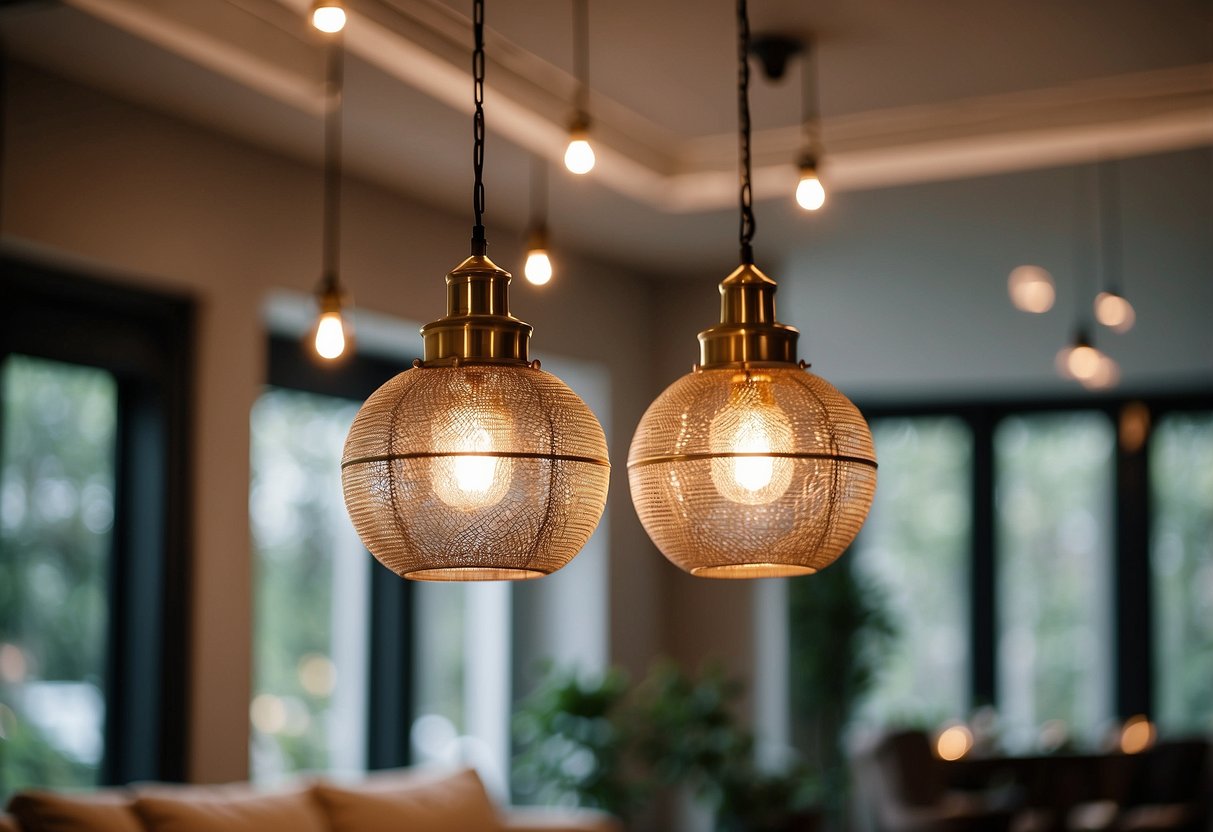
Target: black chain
[479,245]
[743,113]
[581,56]
[332,162]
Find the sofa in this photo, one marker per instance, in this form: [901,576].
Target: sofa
[417,800]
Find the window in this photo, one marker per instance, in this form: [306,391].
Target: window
[1181,559]
[914,553]
[95,384]
[56,535]
[1054,475]
[312,588]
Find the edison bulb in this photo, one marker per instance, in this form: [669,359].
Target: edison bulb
[1031,289]
[538,269]
[747,433]
[579,156]
[328,17]
[1114,312]
[1079,361]
[810,193]
[330,336]
[1106,375]
[472,477]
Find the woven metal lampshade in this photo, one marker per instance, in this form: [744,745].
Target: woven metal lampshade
[750,466]
[475,464]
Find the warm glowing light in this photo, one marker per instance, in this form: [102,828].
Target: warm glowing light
[328,17]
[953,742]
[317,674]
[579,156]
[1134,426]
[1114,312]
[1137,735]
[1106,375]
[810,193]
[1079,361]
[268,713]
[1031,289]
[330,335]
[13,665]
[538,269]
[748,431]
[472,478]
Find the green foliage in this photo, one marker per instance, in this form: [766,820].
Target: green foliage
[839,632]
[604,744]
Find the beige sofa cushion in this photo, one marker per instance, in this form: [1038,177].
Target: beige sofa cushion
[416,801]
[227,809]
[557,820]
[39,811]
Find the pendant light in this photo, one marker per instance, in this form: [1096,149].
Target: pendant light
[1111,308]
[538,268]
[328,16]
[750,466]
[1031,289]
[579,155]
[475,464]
[332,335]
[810,192]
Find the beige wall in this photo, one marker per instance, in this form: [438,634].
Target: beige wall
[146,199]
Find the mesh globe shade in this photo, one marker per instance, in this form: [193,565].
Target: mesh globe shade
[475,464]
[750,466]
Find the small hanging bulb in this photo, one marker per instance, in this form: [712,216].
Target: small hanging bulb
[1106,375]
[330,337]
[538,269]
[1031,289]
[810,193]
[328,16]
[579,155]
[1114,312]
[1079,361]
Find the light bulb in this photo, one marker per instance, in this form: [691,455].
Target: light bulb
[472,477]
[1079,361]
[1114,312]
[328,17]
[330,335]
[810,193]
[579,156]
[1031,289]
[748,431]
[538,268]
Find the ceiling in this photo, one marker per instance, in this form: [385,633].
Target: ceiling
[909,91]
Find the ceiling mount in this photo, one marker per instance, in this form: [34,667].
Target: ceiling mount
[774,51]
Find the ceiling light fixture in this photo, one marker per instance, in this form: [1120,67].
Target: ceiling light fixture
[332,335]
[750,466]
[1111,308]
[1031,289]
[475,464]
[579,155]
[328,16]
[538,268]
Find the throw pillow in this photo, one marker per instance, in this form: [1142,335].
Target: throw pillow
[40,811]
[227,809]
[417,801]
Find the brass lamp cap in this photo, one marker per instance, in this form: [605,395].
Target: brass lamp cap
[478,326]
[748,333]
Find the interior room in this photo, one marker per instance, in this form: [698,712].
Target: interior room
[575,415]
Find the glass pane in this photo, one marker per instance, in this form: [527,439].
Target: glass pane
[56,521]
[1053,491]
[311,591]
[914,550]
[1181,555]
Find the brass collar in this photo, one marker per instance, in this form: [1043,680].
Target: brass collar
[478,326]
[748,332]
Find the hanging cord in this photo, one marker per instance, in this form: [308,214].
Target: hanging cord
[743,117]
[539,193]
[479,244]
[1086,245]
[334,92]
[581,59]
[810,104]
[1108,229]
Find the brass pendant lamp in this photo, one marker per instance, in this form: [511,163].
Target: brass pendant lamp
[750,466]
[475,464]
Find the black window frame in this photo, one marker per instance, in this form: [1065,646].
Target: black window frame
[1131,593]
[145,339]
[292,366]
